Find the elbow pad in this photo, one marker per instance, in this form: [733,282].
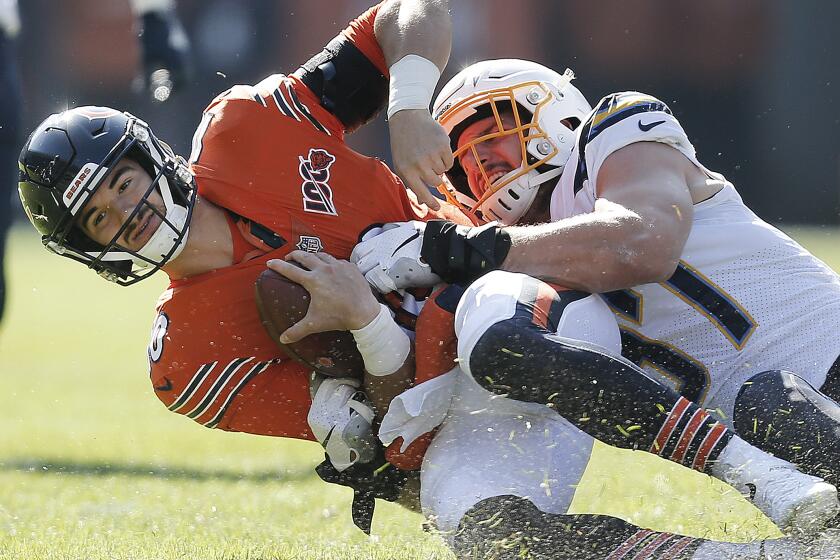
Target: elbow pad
[347,83]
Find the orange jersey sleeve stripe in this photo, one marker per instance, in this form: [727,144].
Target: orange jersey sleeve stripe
[436,347]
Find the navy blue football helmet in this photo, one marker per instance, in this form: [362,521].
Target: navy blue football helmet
[64,162]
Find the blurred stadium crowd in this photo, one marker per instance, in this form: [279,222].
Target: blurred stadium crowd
[753,82]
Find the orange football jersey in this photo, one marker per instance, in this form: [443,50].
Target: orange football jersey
[277,160]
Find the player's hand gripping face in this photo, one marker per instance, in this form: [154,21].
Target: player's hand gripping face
[497,156]
[115,201]
[421,152]
[341,298]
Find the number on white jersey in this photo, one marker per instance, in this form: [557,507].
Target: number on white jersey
[690,376]
[709,299]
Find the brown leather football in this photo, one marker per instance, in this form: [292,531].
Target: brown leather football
[281,304]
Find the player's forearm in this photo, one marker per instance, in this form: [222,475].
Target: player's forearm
[421,27]
[596,252]
[382,390]
[388,354]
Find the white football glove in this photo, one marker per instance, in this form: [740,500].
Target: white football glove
[389,257]
[341,420]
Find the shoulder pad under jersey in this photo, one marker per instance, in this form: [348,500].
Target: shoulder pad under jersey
[621,119]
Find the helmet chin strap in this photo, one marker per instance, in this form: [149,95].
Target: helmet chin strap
[536,179]
[529,184]
[165,238]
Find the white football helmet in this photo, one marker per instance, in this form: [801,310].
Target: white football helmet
[541,100]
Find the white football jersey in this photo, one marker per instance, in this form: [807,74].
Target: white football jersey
[745,298]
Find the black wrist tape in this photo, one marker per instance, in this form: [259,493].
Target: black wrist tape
[460,254]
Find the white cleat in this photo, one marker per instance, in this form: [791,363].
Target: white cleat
[797,503]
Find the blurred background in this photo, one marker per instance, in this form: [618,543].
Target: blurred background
[753,82]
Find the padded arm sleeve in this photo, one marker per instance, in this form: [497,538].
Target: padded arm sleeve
[349,76]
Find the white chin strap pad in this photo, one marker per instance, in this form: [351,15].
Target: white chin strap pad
[526,188]
[165,238]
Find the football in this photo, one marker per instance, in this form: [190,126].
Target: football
[281,304]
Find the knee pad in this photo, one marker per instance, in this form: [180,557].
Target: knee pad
[501,296]
[487,301]
[784,414]
[778,390]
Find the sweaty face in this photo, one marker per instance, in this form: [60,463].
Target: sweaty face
[114,203]
[498,156]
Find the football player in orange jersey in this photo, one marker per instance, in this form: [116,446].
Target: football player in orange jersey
[269,172]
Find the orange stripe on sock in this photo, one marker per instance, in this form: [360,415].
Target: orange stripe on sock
[712,438]
[668,427]
[688,434]
[628,545]
[676,548]
[651,547]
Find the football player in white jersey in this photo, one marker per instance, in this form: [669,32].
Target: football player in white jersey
[711,300]
[496,466]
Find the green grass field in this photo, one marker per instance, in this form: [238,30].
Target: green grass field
[93,467]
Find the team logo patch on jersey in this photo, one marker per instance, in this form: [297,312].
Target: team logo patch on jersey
[315,172]
[310,244]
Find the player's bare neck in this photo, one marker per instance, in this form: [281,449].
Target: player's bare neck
[209,244]
[540,210]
